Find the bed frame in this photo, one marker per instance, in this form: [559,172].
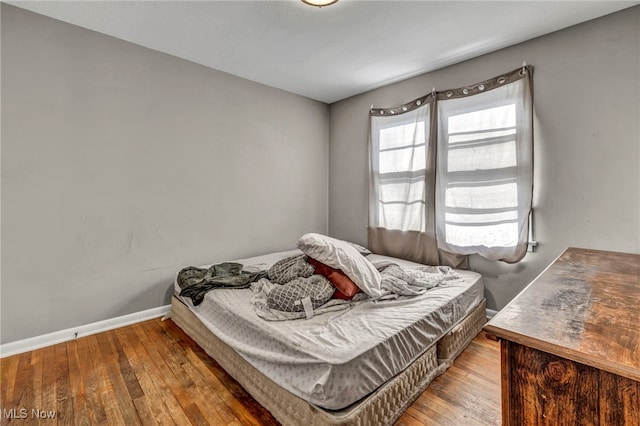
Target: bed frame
[382,407]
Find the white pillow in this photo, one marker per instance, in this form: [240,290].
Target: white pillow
[342,255]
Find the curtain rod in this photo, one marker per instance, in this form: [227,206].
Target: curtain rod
[522,71]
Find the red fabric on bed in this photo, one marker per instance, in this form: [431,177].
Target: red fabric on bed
[345,288]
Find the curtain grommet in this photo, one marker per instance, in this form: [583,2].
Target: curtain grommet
[481,87]
[501,80]
[465,91]
[449,94]
[418,102]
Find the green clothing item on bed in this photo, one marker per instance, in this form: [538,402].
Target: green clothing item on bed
[196,282]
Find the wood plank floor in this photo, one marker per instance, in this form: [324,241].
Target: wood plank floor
[152,373]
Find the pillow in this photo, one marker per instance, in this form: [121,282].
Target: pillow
[362,250]
[337,294]
[345,288]
[342,255]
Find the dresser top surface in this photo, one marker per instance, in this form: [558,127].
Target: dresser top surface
[585,307]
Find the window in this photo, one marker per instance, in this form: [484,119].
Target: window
[400,144]
[482,184]
[483,189]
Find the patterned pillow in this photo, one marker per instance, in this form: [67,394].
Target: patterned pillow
[289,297]
[289,268]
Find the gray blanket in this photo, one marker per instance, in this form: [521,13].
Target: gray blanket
[413,281]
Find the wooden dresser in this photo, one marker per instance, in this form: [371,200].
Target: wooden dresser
[570,343]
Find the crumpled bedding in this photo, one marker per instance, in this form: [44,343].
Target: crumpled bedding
[261,289]
[290,268]
[397,281]
[290,289]
[404,281]
[301,294]
[299,289]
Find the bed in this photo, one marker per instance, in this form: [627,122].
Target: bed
[361,365]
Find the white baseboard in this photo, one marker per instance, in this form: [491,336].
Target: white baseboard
[491,313]
[37,342]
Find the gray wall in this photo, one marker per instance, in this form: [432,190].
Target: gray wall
[120,165]
[587,144]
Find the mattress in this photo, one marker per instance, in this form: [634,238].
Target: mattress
[335,359]
[382,407]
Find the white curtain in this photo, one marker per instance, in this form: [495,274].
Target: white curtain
[484,171]
[399,170]
[401,191]
[451,173]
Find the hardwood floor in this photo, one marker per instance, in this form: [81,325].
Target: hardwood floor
[467,394]
[152,373]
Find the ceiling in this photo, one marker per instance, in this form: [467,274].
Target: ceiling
[328,53]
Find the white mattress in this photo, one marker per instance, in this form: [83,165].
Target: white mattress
[335,359]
